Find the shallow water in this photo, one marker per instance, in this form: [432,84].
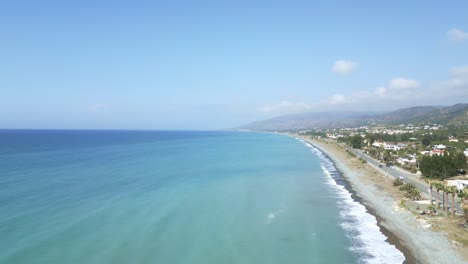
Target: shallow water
[177,197]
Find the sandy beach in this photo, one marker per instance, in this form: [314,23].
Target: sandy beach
[410,233]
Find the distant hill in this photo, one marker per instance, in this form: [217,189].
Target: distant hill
[405,114]
[310,120]
[446,115]
[418,114]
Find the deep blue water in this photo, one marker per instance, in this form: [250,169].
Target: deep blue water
[71,196]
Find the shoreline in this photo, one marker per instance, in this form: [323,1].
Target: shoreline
[418,245]
[392,238]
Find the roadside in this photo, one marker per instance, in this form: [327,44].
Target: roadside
[396,172]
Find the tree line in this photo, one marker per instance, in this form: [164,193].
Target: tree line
[442,167]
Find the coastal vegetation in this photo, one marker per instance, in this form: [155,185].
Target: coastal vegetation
[464,195]
[448,194]
[465,209]
[410,190]
[356,141]
[350,153]
[397,182]
[443,166]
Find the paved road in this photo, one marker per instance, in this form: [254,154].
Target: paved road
[408,177]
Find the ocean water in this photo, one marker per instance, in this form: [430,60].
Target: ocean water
[177,197]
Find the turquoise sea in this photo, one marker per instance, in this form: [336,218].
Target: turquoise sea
[70,196]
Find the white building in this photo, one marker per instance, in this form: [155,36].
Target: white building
[460,184]
[391,146]
[409,160]
[378,144]
[440,146]
[438,152]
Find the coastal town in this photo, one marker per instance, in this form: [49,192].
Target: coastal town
[410,147]
[424,165]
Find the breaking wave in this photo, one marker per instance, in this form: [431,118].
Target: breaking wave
[368,242]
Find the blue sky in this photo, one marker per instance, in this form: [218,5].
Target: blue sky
[220,64]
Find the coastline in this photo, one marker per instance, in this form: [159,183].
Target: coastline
[402,229]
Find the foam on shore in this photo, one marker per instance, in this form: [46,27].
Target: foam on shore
[368,242]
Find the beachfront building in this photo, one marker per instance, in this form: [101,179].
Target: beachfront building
[438,152]
[402,145]
[407,160]
[390,146]
[333,136]
[460,184]
[378,144]
[440,146]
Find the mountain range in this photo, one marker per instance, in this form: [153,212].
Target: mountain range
[419,114]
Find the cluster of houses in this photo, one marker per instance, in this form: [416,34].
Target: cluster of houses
[389,146]
[438,150]
[408,160]
[454,139]
[337,133]
[411,159]
[402,129]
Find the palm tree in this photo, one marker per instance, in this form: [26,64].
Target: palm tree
[446,191]
[453,191]
[411,191]
[430,191]
[415,194]
[465,211]
[464,194]
[438,186]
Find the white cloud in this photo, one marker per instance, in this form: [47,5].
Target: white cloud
[402,92]
[337,99]
[380,91]
[456,85]
[344,67]
[403,83]
[286,107]
[457,35]
[398,92]
[459,71]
